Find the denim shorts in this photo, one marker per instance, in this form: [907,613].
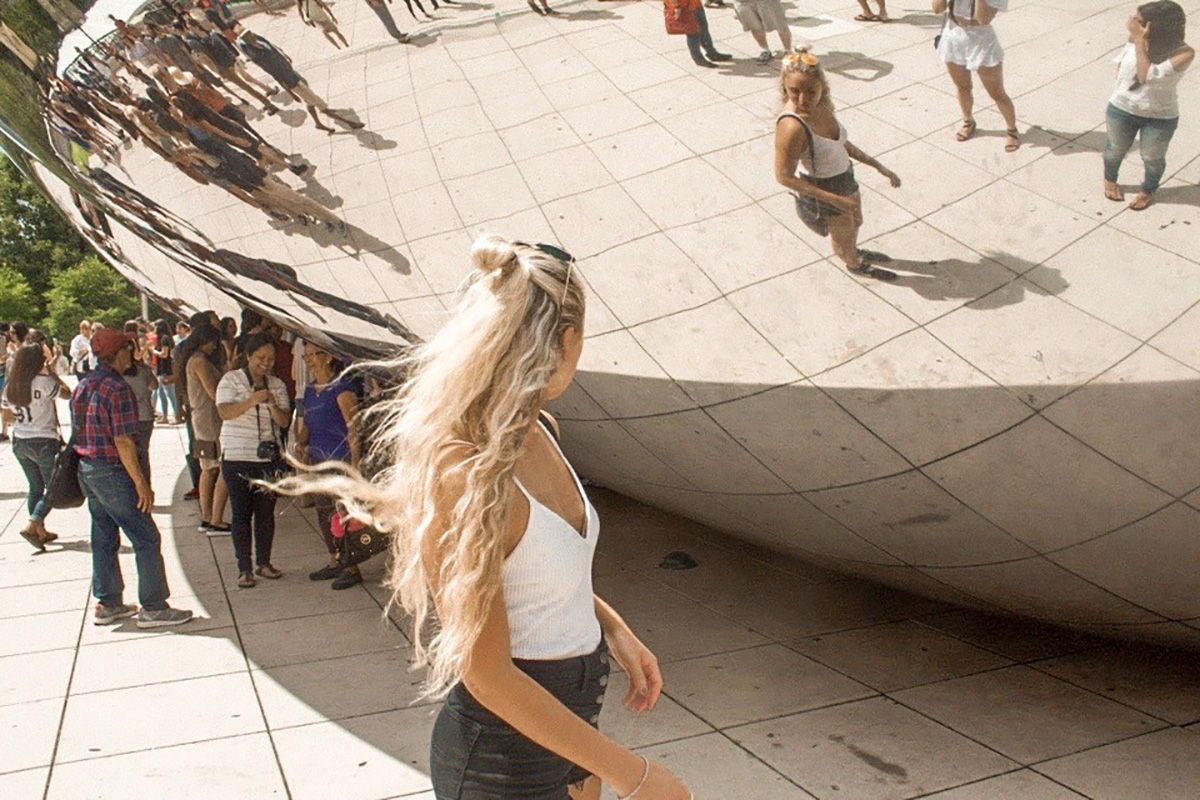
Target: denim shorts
[843,185]
[475,755]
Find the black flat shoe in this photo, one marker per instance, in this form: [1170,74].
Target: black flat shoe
[346,580]
[720,57]
[703,62]
[325,573]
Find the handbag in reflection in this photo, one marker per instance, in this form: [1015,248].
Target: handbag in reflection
[359,541]
[811,211]
[685,24]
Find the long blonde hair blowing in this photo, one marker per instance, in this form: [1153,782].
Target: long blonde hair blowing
[478,383]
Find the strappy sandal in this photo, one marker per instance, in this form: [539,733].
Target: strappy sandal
[1014,140]
[867,271]
[867,18]
[1113,192]
[246,580]
[269,572]
[873,256]
[967,130]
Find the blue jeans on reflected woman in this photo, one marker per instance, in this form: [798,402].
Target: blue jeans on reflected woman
[1156,134]
[704,39]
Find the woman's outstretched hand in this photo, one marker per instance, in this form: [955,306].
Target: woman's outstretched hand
[892,177]
[645,679]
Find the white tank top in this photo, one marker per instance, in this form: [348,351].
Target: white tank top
[1157,98]
[829,156]
[548,583]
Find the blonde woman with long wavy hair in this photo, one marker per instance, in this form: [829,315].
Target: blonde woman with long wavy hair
[491,524]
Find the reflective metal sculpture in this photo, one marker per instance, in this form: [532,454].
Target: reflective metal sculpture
[1010,425]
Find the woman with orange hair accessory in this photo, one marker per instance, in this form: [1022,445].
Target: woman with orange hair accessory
[813,159]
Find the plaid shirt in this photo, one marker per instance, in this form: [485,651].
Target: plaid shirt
[102,408]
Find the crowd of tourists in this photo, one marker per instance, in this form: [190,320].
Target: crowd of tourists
[242,393]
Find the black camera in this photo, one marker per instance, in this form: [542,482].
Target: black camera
[268,451]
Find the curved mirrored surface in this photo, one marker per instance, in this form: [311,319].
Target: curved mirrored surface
[1010,424]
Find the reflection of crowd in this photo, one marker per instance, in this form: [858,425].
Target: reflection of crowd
[237,392]
[176,86]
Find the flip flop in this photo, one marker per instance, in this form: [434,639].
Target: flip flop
[867,18]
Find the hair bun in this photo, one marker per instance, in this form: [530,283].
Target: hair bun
[494,255]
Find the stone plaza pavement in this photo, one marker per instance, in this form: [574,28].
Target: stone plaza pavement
[783,681]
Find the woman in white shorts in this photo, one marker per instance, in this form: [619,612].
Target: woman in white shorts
[969,44]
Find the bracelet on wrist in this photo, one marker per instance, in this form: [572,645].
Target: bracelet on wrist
[642,782]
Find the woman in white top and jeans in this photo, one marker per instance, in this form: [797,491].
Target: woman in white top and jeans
[1145,102]
[254,407]
[28,402]
[968,43]
[490,523]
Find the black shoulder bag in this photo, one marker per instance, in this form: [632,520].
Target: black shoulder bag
[63,490]
[811,210]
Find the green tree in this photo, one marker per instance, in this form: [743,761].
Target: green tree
[16,298]
[89,290]
[35,239]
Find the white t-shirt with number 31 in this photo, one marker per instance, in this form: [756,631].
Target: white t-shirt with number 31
[39,419]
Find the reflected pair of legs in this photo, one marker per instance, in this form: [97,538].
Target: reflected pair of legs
[843,234]
[1154,135]
[992,79]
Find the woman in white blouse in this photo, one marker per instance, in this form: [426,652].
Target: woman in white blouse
[1145,103]
[254,409]
[968,43]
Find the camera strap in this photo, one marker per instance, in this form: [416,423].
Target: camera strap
[258,413]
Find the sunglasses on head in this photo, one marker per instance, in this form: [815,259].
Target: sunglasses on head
[550,250]
[562,255]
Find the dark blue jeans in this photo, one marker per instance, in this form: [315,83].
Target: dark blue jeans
[36,457]
[1155,134]
[112,501]
[695,41]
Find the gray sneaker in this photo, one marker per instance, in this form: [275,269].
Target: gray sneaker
[111,615]
[163,618]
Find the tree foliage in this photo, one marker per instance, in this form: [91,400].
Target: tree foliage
[88,290]
[16,298]
[48,276]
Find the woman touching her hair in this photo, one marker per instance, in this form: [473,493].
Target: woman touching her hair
[1145,103]
[490,524]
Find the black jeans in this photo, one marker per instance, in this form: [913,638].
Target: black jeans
[249,502]
[193,463]
[475,755]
